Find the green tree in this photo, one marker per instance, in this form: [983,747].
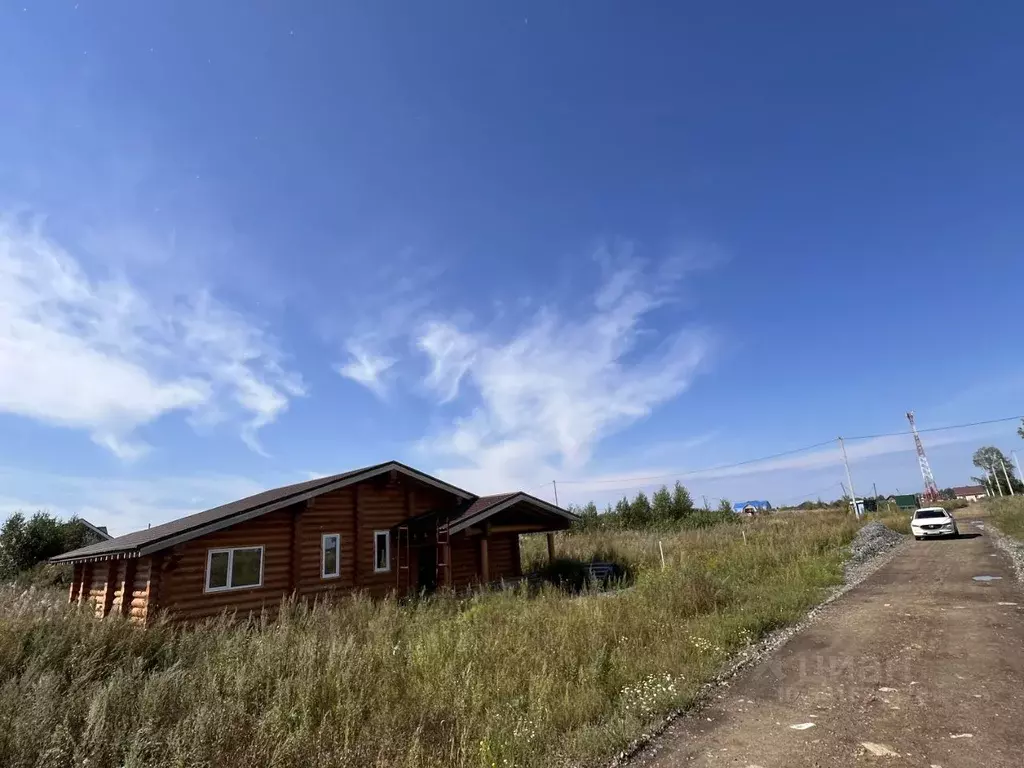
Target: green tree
[661,505]
[589,519]
[682,502]
[640,514]
[724,505]
[1020,429]
[622,511]
[24,543]
[997,468]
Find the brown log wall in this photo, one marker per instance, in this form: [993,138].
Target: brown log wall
[139,610]
[97,587]
[174,581]
[330,513]
[119,571]
[181,583]
[503,554]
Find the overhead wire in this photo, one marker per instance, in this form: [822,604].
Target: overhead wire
[935,429]
[719,467]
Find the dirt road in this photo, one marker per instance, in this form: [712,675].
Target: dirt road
[921,661]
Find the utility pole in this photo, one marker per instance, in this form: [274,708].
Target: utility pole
[874,487]
[1020,475]
[706,507]
[995,480]
[554,485]
[849,479]
[1007,476]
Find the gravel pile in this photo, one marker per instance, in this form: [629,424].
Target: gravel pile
[871,540]
[1009,545]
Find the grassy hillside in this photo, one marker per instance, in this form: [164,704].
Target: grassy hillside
[495,680]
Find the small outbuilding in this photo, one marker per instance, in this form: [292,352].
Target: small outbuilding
[383,529]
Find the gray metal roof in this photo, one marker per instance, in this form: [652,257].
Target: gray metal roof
[162,536]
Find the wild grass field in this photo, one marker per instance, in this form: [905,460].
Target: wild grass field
[497,679]
[1007,513]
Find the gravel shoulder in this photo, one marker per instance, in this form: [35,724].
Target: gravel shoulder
[1010,546]
[918,665]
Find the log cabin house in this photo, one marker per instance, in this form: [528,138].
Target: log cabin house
[382,529]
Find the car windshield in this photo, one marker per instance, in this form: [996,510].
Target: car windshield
[923,514]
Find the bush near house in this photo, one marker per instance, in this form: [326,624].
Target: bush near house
[497,679]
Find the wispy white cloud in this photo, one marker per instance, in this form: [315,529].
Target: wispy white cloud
[99,355]
[123,505]
[367,368]
[451,353]
[374,322]
[549,392]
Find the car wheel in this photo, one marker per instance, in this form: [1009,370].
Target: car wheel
[956,532]
[917,538]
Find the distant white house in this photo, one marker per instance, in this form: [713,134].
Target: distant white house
[970,492]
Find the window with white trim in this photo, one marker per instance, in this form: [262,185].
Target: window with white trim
[381,551]
[235,568]
[330,555]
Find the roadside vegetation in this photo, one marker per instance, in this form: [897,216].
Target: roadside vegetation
[1008,515]
[497,679]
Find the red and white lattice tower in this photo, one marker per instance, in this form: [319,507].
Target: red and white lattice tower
[931,491]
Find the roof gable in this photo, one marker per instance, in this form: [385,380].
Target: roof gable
[488,506]
[193,526]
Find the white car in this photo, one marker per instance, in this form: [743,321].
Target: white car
[933,521]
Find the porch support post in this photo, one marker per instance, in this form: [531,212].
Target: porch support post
[128,587]
[76,583]
[485,570]
[83,593]
[109,587]
[551,547]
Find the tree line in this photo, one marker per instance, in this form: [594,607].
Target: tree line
[664,509]
[26,542]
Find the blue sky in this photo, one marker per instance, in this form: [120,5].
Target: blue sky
[504,243]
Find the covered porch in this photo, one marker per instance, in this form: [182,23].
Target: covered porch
[475,544]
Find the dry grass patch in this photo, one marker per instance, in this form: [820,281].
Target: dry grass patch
[499,679]
[1008,514]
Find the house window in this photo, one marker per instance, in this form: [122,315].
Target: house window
[330,555]
[381,551]
[238,568]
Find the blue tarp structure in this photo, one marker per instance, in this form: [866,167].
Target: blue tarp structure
[757,506]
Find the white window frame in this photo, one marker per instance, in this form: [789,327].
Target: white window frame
[231,569]
[387,551]
[323,556]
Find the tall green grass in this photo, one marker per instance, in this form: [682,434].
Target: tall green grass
[1007,513]
[499,679]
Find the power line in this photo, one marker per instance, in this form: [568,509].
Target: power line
[684,473]
[688,472]
[829,487]
[938,429]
